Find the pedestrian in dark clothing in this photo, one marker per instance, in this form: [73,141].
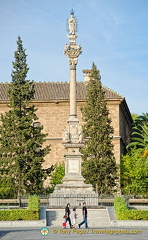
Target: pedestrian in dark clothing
[67,213]
[84,212]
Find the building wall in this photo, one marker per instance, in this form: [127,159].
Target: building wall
[54,116]
[113,107]
[3,108]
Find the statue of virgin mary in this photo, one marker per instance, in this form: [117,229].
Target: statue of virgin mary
[72,23]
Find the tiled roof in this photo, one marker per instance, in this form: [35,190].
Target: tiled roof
[45,91]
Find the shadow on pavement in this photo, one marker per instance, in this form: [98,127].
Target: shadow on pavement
[51,216]
[3,233]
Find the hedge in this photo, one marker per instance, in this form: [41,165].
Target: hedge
[124,213]
[32,213]
[34,202]
[18,214]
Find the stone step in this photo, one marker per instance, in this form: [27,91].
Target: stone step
[96,218]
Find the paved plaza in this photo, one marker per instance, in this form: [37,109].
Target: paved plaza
[128,233]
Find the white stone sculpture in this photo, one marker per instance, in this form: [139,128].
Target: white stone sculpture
[72,23]
[80,136]
[65,137]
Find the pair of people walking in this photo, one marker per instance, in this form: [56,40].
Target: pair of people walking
[67,217]
[74,216]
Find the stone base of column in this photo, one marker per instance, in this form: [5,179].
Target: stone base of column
[73,182]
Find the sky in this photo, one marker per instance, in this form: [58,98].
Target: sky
[112,33]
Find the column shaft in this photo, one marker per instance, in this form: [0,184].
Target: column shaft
[73,97]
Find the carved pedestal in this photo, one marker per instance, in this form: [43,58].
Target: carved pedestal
[73,189]
[73,182]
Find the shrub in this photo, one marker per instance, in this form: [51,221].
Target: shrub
[34,202]
[119,206]
[124,213]
[18,214]
[57,175]
[32,213]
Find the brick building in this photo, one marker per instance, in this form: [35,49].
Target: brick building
[52,103]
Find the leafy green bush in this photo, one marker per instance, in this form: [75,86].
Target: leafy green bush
[134,173]
[124,213]
[57,175]
[32,213]
[34,202]
[119,205]
[134,215]
[18,214]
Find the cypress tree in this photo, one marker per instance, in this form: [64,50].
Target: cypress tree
[99,165]
[22,154]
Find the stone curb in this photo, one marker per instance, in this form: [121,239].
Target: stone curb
[33,223]
[129,223]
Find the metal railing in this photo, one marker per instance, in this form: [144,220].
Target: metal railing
[75,200]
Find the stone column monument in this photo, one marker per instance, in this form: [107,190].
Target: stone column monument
[73,189]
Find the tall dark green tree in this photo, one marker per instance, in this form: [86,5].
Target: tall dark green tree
[21,150]
[99,165]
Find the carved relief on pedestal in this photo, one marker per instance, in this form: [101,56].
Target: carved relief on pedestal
[80,136]
[73,135]
[66,138]
[73,132]
[73,165]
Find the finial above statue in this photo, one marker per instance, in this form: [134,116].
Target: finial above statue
[72,12]
[72,24]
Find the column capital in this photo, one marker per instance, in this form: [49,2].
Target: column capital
[72,63]
[72,51]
